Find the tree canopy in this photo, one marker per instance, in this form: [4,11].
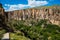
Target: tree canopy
[1,5]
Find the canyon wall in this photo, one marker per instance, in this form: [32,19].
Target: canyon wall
[1,11]
[52,14]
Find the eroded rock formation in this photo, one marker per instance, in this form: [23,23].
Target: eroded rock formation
[52,14]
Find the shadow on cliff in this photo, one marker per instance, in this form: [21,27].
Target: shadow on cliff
[3,24]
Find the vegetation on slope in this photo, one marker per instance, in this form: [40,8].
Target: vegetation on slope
[52,6]
[41,31]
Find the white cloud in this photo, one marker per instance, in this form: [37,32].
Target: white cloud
[34,3]
[15,7]
[7,5]
[31,3]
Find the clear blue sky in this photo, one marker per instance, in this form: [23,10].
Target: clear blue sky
[10,5]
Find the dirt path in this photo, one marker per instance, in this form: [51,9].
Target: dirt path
[5,36]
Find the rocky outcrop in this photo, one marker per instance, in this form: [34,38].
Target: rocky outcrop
[1,9]
[51,13]
[5,36]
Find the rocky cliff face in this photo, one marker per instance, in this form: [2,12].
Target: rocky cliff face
[1,11]
[50,13]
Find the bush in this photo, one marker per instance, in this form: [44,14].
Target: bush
[14,36]
[2,31]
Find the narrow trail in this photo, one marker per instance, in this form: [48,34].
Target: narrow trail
[5,36]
